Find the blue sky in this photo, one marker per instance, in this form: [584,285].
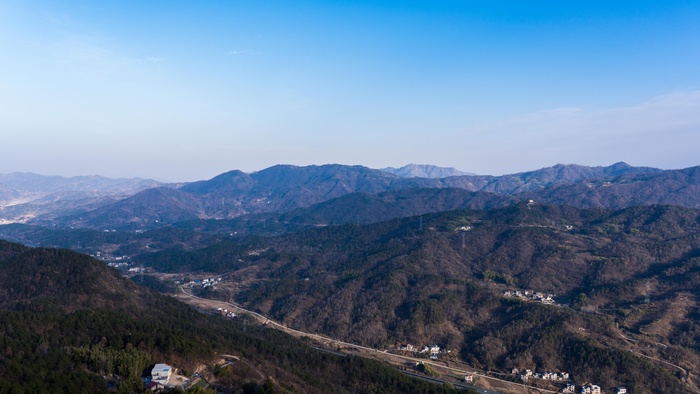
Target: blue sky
[182,91]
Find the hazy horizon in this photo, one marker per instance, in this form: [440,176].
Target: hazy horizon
[180,91]
[284,164]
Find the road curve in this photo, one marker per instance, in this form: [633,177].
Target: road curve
[266,320]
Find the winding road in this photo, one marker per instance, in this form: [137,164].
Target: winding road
[381,353]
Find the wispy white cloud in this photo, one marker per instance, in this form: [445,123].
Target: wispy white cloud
[243,52]
[89,57]
[659,114]
[663,131]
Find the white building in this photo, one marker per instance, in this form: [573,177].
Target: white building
[161,373]
[570,388]
[590,389]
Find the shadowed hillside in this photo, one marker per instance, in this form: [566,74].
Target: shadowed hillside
[70,324]
[440,279]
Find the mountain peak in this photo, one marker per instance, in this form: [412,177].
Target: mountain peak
[231,181]
[424,171]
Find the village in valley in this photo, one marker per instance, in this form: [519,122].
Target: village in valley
[433,352]
[529,295]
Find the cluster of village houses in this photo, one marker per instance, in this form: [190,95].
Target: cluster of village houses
[591,389]
[203,282]
[432,350]
[125,265]
[570,387]
[527,374]
[528,295]
[119,264]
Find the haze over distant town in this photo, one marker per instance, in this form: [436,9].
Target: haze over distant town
[181,91]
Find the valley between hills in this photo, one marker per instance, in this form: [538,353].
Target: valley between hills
[382,263]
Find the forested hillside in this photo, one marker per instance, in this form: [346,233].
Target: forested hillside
[440,278]
[69,324]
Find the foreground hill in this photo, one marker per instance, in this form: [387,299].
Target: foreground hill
[440,279]
[68,323]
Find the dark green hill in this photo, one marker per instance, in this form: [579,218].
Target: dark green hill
[69,324]
[61,277]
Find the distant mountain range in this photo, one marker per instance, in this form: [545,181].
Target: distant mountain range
[424,171]
[382,259]
[25,196]
[100,203]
